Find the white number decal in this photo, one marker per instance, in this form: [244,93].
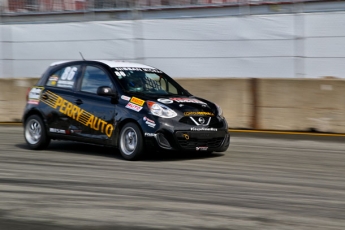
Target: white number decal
[69,73]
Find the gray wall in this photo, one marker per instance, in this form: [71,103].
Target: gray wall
[308,45]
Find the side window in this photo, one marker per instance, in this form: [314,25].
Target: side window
[172,89]
[63,78]
[93,78]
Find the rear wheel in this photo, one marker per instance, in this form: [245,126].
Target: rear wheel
[35,133]
[131,142]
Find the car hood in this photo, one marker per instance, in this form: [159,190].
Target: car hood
[185,105]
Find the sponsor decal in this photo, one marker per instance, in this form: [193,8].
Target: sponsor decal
[35,95]
[76,113]
[165,100]
[150,134]
[33,102]
[187,100]
[198,114]
[133,107]
[53,130]
[203,129]
[138,69]
[65,84]
[52,80]
[126,98]
[137,101]
[75,131]
[149,122]
[202,148]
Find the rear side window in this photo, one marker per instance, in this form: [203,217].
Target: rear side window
[64,78]
[93,78]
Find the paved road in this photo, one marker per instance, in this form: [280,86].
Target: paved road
[261,182]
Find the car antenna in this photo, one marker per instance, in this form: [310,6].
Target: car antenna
[82,56]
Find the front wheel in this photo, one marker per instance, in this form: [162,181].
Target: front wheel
[35,133]
[131,142]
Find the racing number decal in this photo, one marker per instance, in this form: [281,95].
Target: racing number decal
[69,73]
[78,114]
[66,79]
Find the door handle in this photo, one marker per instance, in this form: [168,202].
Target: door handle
[78,101]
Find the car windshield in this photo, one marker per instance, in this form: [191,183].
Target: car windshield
[147,81]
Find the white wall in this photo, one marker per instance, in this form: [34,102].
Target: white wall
[274,46]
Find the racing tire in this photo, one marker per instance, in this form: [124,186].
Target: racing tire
[35,133]
[131,143]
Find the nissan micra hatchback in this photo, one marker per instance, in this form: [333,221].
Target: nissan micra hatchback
[133,107]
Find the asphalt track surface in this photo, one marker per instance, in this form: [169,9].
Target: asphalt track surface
[262,182]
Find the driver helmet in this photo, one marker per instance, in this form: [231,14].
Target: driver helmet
[135,81]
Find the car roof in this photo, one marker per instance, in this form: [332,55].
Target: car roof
[111,63]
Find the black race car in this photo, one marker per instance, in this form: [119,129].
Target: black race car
[130,106]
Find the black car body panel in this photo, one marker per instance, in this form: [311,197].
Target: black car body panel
[71,109]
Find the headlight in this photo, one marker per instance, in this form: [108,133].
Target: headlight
[161,110]
[220,111]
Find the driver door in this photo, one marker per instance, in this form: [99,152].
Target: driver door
[97,120]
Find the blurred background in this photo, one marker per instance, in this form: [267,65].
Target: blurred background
[185,38]
[279,64]
[271,65]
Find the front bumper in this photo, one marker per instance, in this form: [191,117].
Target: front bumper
[218,141]
[170,134]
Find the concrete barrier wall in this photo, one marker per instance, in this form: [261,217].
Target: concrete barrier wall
[12,98]
[232,95]
[301,104]
[267,104]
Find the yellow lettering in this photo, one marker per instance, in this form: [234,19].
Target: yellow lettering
[63,107]
[103,123]
[94,123]
[74,112]
[109,130]
[69,109]
[90,121]
[58,102]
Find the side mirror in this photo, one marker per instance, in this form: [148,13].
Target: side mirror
[105,91]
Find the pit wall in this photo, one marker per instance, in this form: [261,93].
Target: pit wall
[262,104]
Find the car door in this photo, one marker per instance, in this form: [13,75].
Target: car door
[57,99]
[97,120]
